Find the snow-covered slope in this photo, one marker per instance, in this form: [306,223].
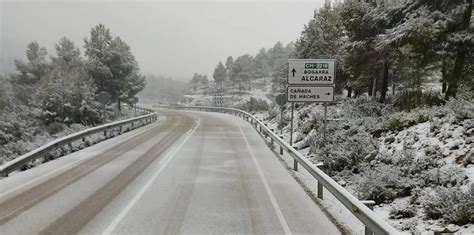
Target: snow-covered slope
[232,97]
[399,159]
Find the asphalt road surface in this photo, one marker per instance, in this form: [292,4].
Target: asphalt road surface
[190,172]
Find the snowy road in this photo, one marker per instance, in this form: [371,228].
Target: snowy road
[192,173]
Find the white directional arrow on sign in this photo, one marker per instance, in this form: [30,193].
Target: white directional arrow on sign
[311,72]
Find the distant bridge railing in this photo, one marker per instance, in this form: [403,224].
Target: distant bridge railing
[23,160]
[373,223]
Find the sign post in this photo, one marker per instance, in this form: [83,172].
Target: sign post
[325,122]
[295,163]
[310,80]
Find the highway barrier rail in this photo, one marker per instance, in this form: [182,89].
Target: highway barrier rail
[373,223]
[132,123]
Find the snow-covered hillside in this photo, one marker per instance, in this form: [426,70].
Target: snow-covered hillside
[232,97]
[38,135]
[416,165]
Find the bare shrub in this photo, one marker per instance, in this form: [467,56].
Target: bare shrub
[452,204]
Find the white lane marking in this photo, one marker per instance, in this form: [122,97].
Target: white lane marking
[142,191]
[275,205]
[67,166]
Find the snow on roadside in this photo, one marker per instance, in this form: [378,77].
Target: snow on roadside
[449,140]
[232,97]
[438,135]
[44,138]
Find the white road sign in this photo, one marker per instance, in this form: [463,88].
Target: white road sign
[311,72]
[310,93]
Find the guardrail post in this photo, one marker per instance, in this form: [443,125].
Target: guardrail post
[370,204]
[271,139]
[266,133]
[320,186]
[105,133]
[295,163]
[281,147]
[120,129]
[320,190]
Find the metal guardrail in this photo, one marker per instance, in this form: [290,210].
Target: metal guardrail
[21,161]
[373,223]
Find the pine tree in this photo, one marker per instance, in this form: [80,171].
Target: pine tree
[220,74]
[112,64]
[260,64]
[240,71]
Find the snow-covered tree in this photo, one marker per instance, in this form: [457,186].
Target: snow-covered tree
[67,97]
[135,83]
[111,63]
[241,70]
[260,64]
[68,55]
[199,81]
[324,37]
[434,35]
[66,94]
[277,56]
[228,62]
[36,66]
[220,74]
[5,93]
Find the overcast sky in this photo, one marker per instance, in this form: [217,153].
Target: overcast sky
[170,38]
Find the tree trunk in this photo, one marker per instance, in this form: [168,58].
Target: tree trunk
[444,76]
[455,77]
[119,106]
[374,88]
[453,81]
[349,92]
[383,92]
[370,86]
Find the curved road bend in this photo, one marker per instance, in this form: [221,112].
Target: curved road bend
[193,173]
